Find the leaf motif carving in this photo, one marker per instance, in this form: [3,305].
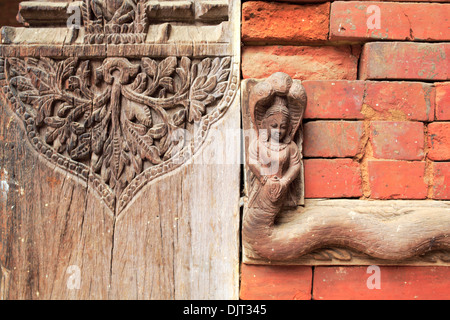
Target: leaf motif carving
[158,131]
[179,117]
[208,86]
[167,67]
[112,121]
[150,67]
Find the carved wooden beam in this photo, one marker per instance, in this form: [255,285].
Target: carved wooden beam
[41,13]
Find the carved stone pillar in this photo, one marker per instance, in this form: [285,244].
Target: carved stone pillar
[106,132]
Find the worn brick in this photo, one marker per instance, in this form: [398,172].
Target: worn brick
[441,180]
[405,61]
[271,22]
[395,283]
[331,139]
[329,99]
[275,282]
[397,179]
[353,20]
[332,178]
[389,100]
[300,62]
[439,141]
[397,140]
[443,101]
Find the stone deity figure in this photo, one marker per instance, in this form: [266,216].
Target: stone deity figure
[276,107]
[274,158]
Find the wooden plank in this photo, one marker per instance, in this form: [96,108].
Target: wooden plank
[186,246]
[50,222]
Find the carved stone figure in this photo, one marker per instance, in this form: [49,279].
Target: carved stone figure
[277,107]
[277,230]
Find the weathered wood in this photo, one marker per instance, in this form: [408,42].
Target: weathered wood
[50,221]
[354,232]
[185,214]
[105,133]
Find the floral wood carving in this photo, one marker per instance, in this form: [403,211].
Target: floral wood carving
[115,122]
[115,21]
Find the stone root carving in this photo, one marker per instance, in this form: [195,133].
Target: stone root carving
[407,233]
[115,122]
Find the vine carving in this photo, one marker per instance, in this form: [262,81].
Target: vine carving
[117,122]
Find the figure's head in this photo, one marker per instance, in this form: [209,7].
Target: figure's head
[276,120]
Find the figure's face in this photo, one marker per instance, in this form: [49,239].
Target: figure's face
[277,126]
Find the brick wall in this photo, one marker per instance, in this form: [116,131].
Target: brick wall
[377,124]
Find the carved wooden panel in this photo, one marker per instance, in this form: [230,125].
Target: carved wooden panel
[104,129]
[321,231]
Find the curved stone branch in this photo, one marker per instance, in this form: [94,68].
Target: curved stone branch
[401,233]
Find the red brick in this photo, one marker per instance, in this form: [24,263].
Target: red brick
[405,60]
[397,140]
[275,282]
[330,139]
[401,100]
[334,99]
[397,179]
[439,141]
[443,101]
[270,22]
[300,62]
[396,283]
[398,21]
[441,180]
[332,178]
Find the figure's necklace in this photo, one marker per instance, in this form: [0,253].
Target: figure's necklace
[275,147]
